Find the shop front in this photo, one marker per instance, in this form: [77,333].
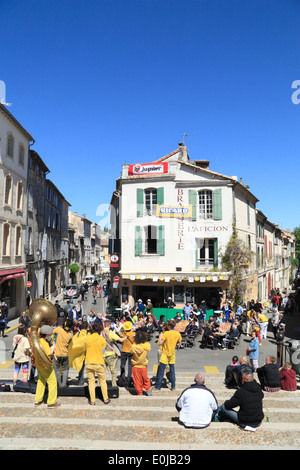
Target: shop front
[12,290]
[211,289]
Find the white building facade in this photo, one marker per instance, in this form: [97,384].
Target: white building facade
[14,151]
[171,219]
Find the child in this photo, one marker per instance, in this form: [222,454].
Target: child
[235,360]
[139,350]
[288,377]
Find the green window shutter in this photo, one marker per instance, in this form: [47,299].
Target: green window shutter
[138,241]
[161,240]
[160,196]
[217,203]
[193,202]
[215,253]
[140,202]
[196,253]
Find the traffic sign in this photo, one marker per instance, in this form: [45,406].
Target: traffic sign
[116,279]
[114,258]
[28,284]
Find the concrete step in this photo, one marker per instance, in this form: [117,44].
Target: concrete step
[132,422]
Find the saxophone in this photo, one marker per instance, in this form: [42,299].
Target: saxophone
[42,312]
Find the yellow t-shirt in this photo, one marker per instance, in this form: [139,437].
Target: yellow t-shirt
[38,362]
[140,354]
[94,345]
[262,317]
[126,345]
[62,340]
[171,338]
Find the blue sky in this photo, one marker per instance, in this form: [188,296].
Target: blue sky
[99,83]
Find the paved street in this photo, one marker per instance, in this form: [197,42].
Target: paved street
[187,359]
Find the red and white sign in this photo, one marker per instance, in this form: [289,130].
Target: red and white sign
[28,284]
[145,169]
[116,279]
[114,258]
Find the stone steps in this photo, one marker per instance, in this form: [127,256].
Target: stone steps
[138,423]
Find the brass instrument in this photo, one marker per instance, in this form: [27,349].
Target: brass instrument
[42,312]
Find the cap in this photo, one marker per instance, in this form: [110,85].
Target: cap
[46,330]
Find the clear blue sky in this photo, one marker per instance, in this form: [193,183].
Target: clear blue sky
[99,83]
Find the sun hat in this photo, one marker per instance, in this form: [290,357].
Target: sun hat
[127,326]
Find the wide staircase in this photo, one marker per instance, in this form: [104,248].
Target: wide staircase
[142,423]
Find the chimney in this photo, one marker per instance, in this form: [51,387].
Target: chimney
[181,148]
[241,181]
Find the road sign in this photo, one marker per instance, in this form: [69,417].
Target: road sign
[28,284]
[114,258]
[116,279]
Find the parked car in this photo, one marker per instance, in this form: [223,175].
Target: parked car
[75,289]
[89,280]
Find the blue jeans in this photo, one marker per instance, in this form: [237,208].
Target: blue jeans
[161,373]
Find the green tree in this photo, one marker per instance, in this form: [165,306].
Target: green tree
[296,234]
[236,260]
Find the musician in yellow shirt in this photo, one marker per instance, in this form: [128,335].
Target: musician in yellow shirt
[94,363]
[169,340]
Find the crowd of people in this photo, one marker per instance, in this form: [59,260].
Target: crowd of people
[93,344]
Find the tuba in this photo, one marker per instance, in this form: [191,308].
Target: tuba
[42,312]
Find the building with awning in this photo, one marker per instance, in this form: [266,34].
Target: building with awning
[171,220]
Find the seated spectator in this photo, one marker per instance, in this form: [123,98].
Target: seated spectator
[249,399]
[230,337]
[288,377]
[269,375]
[197,405]
[233,373]
[209,336]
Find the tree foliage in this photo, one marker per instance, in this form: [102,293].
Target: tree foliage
[236,260]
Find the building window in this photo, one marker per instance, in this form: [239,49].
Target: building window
[206,252]
[18,240]
[21,155]
[10,145]
[150,201]
[150,239]
[8,190]
[205,204]
[19,196]
[6,240]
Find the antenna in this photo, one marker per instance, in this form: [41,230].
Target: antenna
[184,135]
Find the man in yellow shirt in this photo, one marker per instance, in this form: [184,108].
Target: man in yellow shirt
[46,375]
[62,337]
[112,353]
[126,355]
[169,340]
[263,325]
[94,363]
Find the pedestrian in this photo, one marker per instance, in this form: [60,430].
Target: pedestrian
[21,353]
[62,337]
[139,351]
[94,363]
[263,325]
[275,321]
[2,323]
[112,352]
[4,309]
[169,340]
[24,320]
[249,399]
[254,350]
[71,294]
[46,374]
[94,294]
[197,405]
[187,309]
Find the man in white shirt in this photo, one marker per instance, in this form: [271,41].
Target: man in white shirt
[197,405]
